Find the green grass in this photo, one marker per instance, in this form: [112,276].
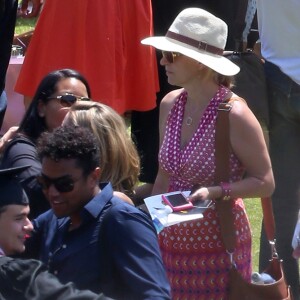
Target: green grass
[24,25]
[254,211]
[253,206]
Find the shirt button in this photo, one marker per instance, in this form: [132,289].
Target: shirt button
[55,272]
[64,246]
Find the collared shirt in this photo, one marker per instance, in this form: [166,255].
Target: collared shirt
[115,249]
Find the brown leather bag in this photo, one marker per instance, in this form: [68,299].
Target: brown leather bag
[239,289]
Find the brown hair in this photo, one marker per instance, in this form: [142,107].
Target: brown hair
[120,162]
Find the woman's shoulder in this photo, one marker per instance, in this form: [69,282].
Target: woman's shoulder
[21,140]
[169,99]
[239,104]
[172,96]
[18,149]
[240,112]
[20,143]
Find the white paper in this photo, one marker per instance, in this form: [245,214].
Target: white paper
[155,202]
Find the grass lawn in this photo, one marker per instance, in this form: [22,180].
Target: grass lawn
[254,211]
[24,25]
[253,206]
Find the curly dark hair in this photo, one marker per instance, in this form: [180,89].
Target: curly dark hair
[69,142]
[32,124]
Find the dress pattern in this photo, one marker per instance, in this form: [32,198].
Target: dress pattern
[193,252]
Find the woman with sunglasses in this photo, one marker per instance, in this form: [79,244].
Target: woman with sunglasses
[56,93]
[193,252]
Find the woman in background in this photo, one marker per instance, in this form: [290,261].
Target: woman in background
[56,93]
[120,161]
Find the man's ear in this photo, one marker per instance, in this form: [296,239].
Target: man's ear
[95,175]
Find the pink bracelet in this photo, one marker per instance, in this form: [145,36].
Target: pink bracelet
[226,190]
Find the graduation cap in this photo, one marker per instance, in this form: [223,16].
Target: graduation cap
[11,190]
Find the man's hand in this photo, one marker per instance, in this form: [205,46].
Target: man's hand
[7,137]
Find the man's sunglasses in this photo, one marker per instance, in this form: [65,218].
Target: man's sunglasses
[170,56]
[68,100]
[63,184]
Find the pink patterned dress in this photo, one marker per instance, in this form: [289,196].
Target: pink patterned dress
[193,252]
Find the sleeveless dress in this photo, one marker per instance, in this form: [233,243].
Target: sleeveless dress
[193,252]
[101,40]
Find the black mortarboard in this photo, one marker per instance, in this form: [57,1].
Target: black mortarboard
[11,191]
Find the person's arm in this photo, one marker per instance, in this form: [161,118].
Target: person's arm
[23,152]
[248,144]
[161,183]
[131,256]
[29,279]
[7,137]
[142,191]
[123,197]
[162,179]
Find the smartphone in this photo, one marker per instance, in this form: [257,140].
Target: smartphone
[177,202]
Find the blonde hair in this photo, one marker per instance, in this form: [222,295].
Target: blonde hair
[227,81]
[120,163]
[219,79]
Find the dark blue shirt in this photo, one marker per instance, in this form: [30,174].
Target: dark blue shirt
[114,251]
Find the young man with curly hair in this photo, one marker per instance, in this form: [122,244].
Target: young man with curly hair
[90,236]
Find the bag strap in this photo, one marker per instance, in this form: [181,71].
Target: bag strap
[222,174]
[222,154]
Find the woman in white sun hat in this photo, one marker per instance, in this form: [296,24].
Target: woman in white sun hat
[193,252]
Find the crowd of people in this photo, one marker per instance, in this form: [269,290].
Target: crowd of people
[71,221]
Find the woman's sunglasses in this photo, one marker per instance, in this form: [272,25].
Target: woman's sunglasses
[170,56]
[63,184]
[68,100]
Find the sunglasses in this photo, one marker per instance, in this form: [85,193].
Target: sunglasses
[68,100]
[62,184]
[170,56]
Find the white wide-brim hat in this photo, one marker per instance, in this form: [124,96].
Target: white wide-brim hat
[200,35]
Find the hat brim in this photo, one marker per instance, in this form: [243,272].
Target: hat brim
[218,63]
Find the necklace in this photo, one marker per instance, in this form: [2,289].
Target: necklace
[189,121]
[196,111]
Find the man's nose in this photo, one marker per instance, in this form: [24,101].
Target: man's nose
[28,226]
[52,191]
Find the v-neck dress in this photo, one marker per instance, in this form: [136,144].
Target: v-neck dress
[193,252]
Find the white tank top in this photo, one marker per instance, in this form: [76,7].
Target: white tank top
[279,27]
